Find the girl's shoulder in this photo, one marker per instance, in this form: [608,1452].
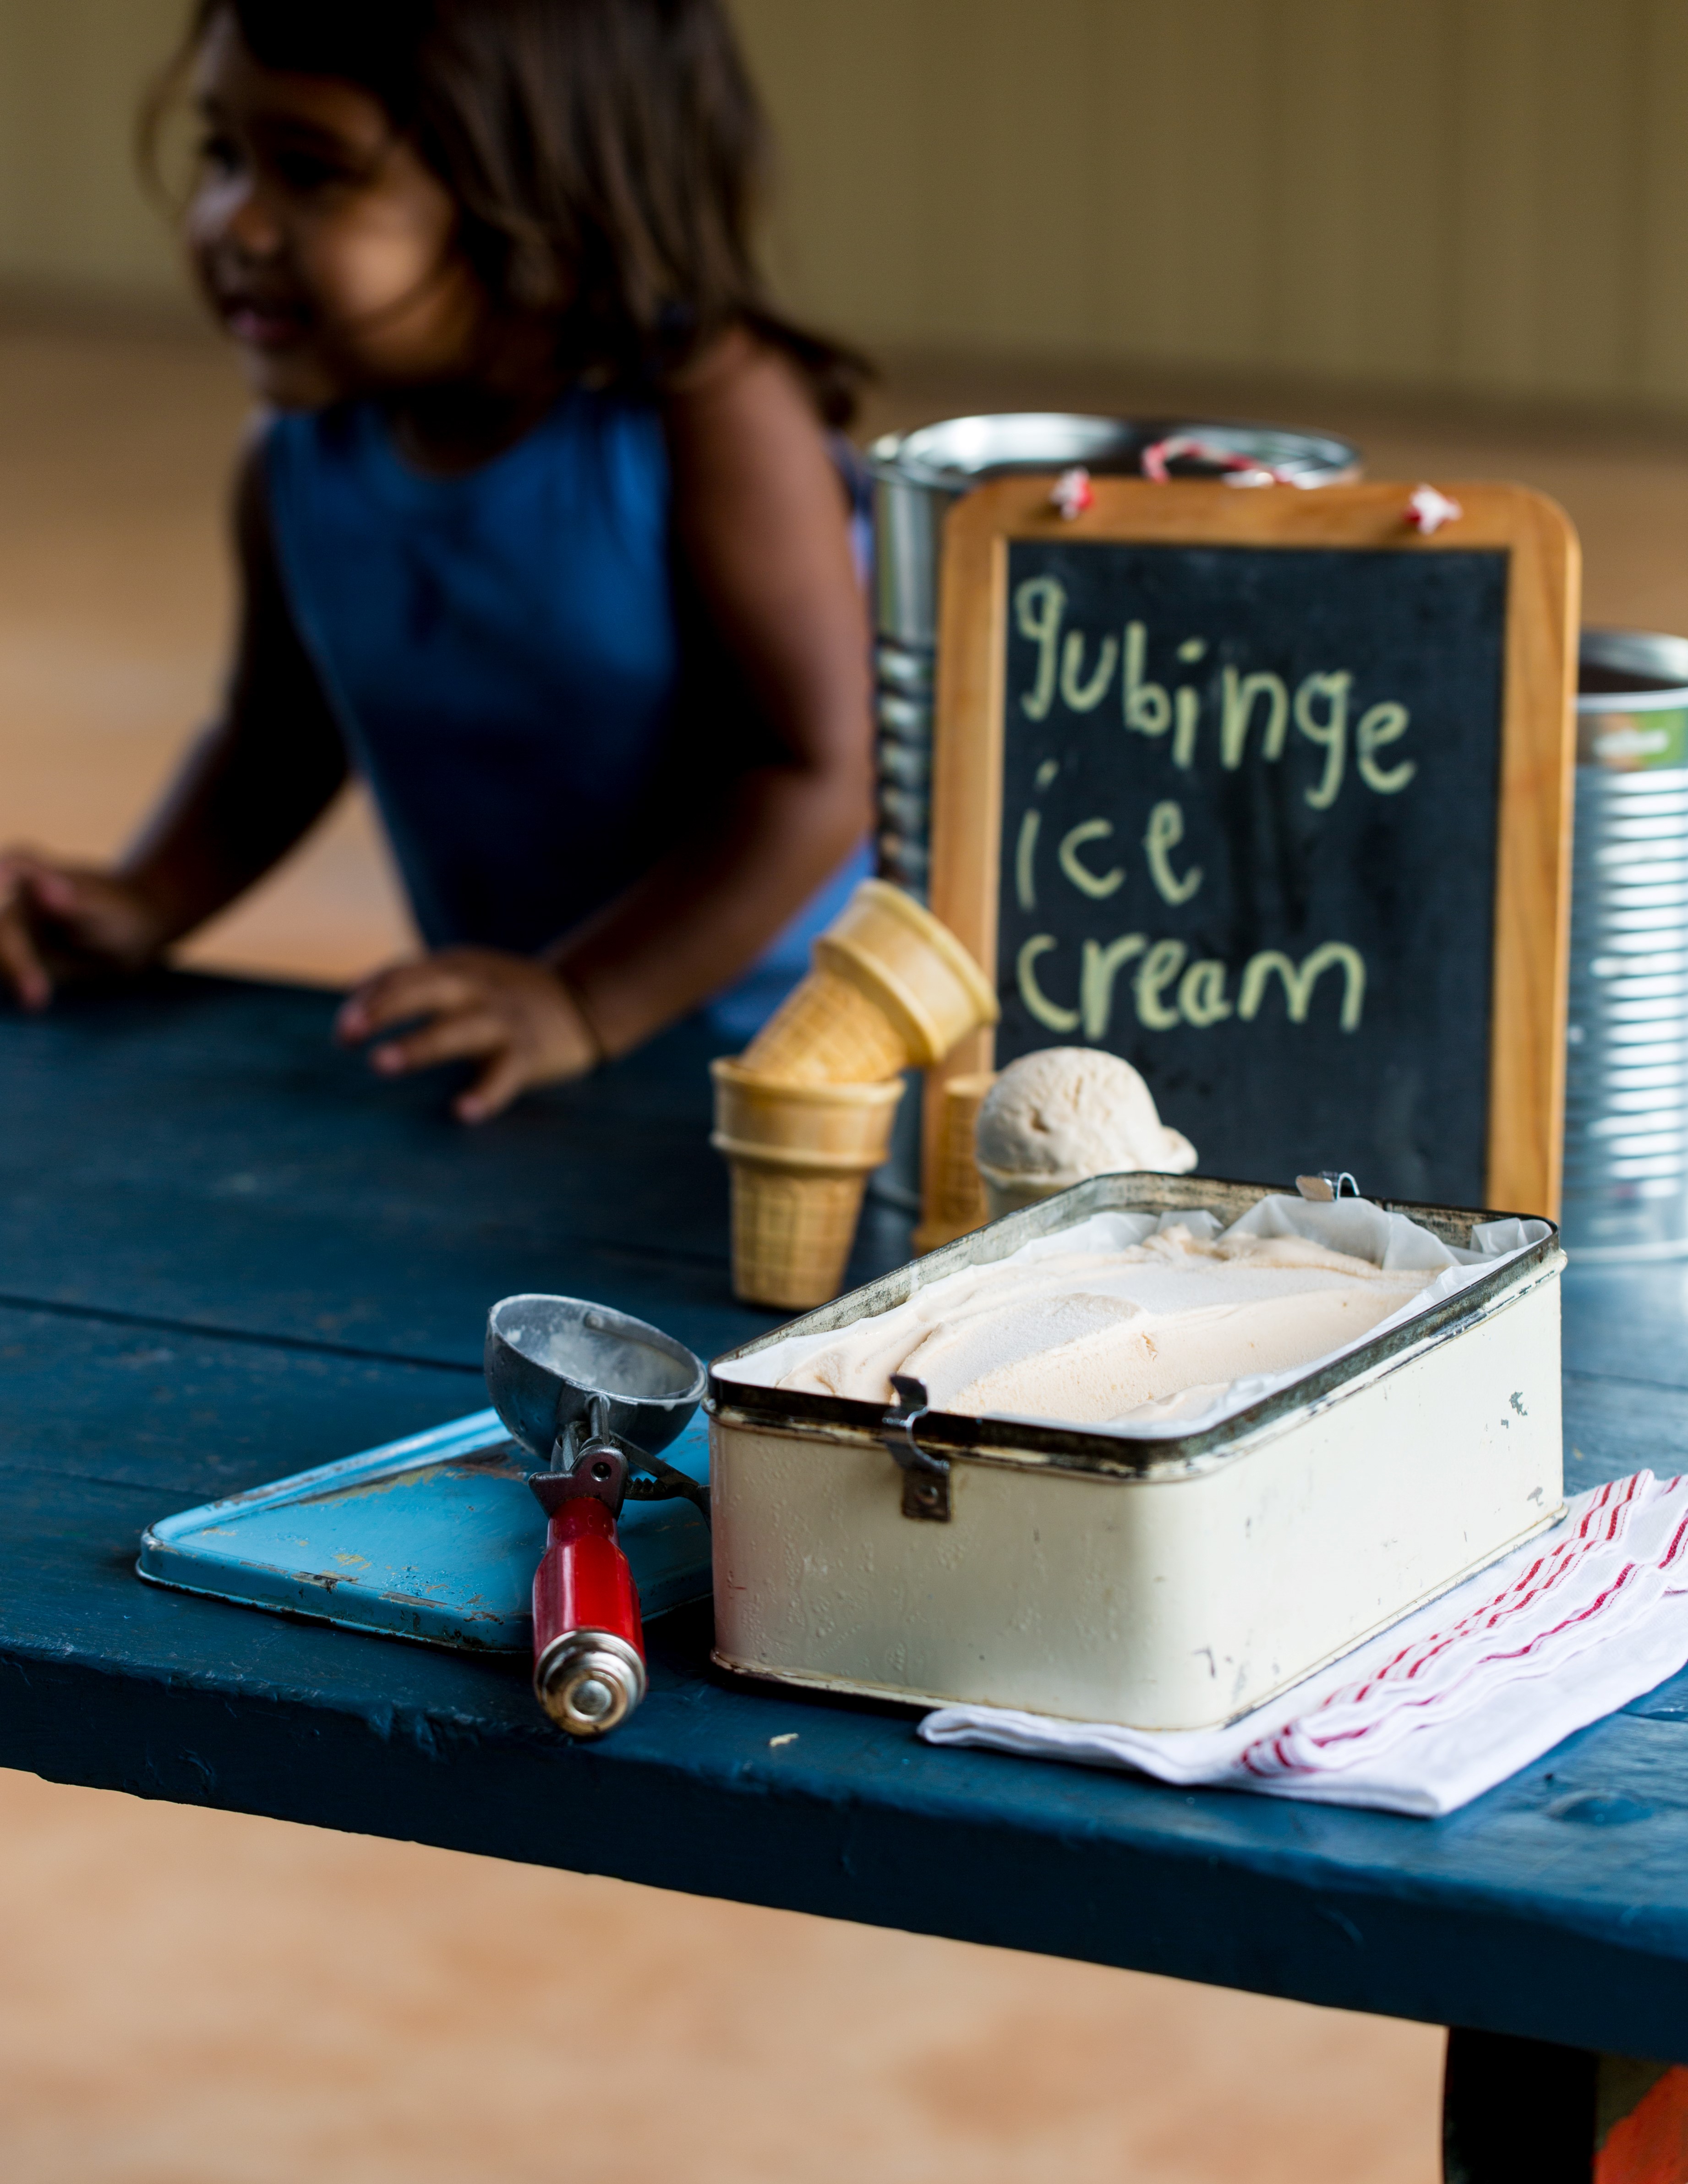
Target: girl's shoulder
[744,411]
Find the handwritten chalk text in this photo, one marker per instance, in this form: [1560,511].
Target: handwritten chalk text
[1167,989]
[1236,715]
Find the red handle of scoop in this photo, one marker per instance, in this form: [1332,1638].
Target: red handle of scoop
[589,1644]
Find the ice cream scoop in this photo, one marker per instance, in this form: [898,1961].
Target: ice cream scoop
[574,1383]
[1059,1117]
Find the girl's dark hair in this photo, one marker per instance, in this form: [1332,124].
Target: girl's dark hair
[608,155]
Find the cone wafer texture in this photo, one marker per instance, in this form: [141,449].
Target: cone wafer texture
[792,1233]
[827,1031]
[955,1199]
[912,966]
[800,1156]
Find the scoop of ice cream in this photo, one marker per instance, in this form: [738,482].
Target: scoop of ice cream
[1156,1329]
[1074,1111]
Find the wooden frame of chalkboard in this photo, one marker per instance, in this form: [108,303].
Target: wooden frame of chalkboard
[1272,795]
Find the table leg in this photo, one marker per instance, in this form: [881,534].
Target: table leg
[1524,2109]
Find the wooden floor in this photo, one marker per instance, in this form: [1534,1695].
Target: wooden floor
[192,1998]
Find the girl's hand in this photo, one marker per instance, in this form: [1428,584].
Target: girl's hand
[58,919]
[511,1013]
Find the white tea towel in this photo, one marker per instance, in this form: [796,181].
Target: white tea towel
[1450,1700]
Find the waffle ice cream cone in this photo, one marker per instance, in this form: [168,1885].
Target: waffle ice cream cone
[800,1156]
[827,1031]
[891,989]
[791,1233]
[955,1198]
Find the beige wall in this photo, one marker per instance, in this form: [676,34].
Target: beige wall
[1485,195]
[1467,194]
[72,214]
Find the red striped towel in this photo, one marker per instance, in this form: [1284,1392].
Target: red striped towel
[1450,1700]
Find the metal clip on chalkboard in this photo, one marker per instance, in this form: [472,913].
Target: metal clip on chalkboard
[1329,1183]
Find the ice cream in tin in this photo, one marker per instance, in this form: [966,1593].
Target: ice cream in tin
[1157,1329]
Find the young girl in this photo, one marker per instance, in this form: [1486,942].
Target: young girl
[542,535]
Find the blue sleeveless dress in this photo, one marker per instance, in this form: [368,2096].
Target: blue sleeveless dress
[537,709]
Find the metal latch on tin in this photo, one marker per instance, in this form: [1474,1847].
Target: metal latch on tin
[925,1476]
[1329,1183]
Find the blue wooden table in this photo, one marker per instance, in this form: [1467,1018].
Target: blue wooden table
[228,1253]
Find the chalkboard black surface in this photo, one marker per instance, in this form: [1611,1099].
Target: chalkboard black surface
[1250,796]
[1273,816]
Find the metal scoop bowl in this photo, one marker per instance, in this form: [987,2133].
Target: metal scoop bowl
[593,1393]
[548,1357]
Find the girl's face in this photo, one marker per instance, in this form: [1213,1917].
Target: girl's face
[323,243]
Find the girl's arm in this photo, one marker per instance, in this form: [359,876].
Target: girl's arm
[761,525]
[251,786]
[761,522]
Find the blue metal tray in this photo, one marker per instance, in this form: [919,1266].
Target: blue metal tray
[434,1538]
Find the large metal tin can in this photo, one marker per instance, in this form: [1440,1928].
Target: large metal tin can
[1626,1112]
[919,477]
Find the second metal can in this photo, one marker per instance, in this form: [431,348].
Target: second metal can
[1626,1119]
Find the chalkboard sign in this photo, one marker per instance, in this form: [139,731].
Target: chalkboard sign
[1268,793]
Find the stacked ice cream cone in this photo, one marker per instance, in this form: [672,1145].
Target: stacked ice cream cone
[955,1194]
[804,1115]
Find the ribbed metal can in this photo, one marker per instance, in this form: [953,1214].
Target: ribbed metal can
[919,476]
[1626,1113]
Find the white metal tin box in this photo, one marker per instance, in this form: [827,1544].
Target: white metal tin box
[1161,1584]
